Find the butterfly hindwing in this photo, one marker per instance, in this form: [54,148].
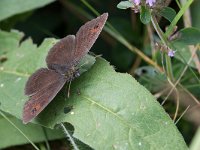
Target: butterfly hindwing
[43,93]
[40,80]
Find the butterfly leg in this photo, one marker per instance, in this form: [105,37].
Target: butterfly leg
[75,75]
[68,91]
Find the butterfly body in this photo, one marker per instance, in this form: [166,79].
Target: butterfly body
[72,73]
[62,60]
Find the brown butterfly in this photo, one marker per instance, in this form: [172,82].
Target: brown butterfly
[62,60]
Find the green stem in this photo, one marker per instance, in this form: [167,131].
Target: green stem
[179,5]
[90,7]
[46,138]
[69,136]
[178,16]
[158,30]
[163,38]
[169,67]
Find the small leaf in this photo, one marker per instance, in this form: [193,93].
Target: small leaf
[190,36]
[145,15]
[183,53]
[168,13]
[12,7]
[124,5]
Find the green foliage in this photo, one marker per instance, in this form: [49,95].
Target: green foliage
[10,39]
[185,37]
[106,109]
[168,13]
[124,5]
[112,108]
[183,53]
[145,15]
[194,14]
[9,136]
[12,7]
[189,36]
[195,143]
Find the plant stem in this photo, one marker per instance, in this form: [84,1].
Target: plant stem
[163,38]
[178,16]
[69,136]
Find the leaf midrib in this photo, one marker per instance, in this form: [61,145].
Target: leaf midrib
[15,73]
[108,110]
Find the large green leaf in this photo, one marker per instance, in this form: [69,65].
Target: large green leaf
[110,111]
[12,7]
[10,136]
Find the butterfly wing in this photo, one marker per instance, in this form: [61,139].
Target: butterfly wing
[44,84]
[87,35]
[69,50]
[60,56]
[39,80]
[47,84]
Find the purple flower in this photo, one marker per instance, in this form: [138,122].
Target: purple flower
[150,2]
[171,53]
[136,2]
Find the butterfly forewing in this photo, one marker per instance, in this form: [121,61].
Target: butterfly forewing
[60,56]
[43,96]
[87,35]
